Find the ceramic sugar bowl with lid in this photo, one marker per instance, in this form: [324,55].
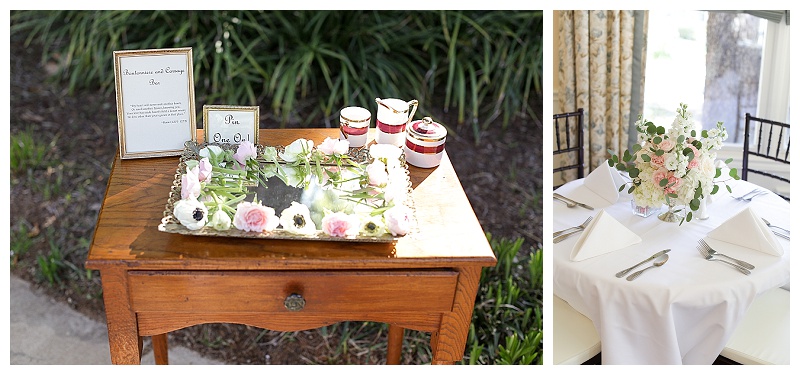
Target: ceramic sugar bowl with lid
[424,143]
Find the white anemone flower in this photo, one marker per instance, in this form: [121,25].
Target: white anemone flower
[191,213]
[372,226]
[297,219]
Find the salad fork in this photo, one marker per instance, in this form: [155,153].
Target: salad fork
[708,256]
[713,252]
[578,227]
[744,195]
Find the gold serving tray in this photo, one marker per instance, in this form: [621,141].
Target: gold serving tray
[279,195]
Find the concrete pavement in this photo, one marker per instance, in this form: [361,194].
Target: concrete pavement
[48,332]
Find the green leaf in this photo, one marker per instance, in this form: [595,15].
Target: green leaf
[634,172]
[734,173]
[694,204]
[728,160]
[719,173]
[621,188]
[715,189]
[704,133]
[657,140]
[661,130]
[645,157]
[689,216]
[631,190]
[729,188]
[681,138]
[659,152]
[636,148]
[651,129]
[663,182]
[693,133]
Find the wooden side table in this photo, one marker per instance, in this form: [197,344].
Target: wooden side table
[156,282]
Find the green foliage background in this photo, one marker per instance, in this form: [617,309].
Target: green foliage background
[485,65]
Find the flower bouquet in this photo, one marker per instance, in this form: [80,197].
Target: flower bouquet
[334,192]
[675,166]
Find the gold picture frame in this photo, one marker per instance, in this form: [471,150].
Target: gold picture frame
[230,123]
[155,101]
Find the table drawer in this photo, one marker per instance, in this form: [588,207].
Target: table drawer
[311,292]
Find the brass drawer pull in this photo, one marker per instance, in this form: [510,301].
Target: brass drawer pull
[294,302]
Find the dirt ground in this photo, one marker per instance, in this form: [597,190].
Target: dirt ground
[58,206]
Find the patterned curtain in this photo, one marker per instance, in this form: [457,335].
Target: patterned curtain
[601,56]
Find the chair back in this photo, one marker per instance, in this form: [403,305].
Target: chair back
[568,159]
[765,140]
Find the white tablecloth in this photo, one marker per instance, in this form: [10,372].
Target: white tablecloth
[681,313]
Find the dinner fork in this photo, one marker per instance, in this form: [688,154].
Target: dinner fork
[564,236]
[748,199]
[708,256]
[711,251]
[582,226]
[744,196]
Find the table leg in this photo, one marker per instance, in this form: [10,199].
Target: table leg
[160,349]
[123,332]
[395,344]
[449,342]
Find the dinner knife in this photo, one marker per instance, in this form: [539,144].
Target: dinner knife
[561,197]
[654,256]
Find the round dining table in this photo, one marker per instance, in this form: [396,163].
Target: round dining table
[683,312]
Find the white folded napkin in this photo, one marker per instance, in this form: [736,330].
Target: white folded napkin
[603,235]
[605,182]
[746,229]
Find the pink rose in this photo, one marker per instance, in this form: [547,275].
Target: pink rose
[253,217]
[204,170]
[398,220]
[190,184]
[660,175]
[339,224]
[694,163]
[666,144]
[657,161]
[377,174]
[334,146]
[673,183]
[245,152]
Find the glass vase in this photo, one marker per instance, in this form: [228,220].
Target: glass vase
[643,211]
[672,213]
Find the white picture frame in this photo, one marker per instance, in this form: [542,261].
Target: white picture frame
[155,101]
[230,123]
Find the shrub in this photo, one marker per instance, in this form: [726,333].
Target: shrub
[483,64]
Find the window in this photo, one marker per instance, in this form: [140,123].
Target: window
[722,64]
[716,75]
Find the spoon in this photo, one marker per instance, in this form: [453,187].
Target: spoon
[658,262]
[774,226]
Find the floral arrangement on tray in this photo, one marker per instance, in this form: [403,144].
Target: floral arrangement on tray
[343,193]
[675,166]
